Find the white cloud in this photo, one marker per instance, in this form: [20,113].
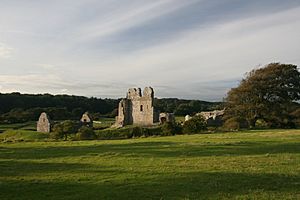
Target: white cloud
[120,19]
[5,51]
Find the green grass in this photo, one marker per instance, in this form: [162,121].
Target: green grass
[22,135]
[23,126]
[243,165]
[104,123]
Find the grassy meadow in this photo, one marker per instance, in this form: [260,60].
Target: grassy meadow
[243,165]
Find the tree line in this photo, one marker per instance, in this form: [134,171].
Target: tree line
[16,107]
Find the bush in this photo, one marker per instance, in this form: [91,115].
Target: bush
[296,117]
[64,129]
[170,128]
[111,133]
[235,123]
[194,125]
[85,133]
[128,132]
[260,123]
[57,132]
[136,132]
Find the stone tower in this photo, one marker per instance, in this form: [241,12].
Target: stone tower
[137,108]
[44,123]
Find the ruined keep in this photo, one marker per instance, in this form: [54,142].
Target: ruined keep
[137,109]
[44,123]
[86,120]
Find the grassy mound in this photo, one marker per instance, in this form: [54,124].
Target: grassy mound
[22,135]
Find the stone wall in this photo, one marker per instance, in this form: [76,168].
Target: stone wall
[166,117]
[44,123]
[86,120]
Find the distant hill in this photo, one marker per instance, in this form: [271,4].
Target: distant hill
[16,107]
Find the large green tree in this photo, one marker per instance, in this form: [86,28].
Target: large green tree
[270,93]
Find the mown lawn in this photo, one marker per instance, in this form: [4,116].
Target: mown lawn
[244,165]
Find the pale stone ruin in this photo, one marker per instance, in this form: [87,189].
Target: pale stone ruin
[212,114]
[86,120]
[137,109]
[44,123]
[166,117]
[187,118]
[213,118]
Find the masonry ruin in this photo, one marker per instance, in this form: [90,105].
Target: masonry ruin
[166,117]
[137,109]
[212,118]
[44,123]
[86,120]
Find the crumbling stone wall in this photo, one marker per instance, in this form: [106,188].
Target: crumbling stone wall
[44,123]
[137,108]
[213,118]
[86,120]
[166,117]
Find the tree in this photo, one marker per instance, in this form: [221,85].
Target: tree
[269,93]
[184,109]
[57,132]
[64,129]
[194,125]
[170,128]
[69,127]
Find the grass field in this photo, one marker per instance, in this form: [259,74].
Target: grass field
[243,165]
[23,126]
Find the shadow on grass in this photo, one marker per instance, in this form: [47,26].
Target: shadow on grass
[150,149]
[27,169]
[163,186]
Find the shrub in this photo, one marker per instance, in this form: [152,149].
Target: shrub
[260,123]
[235,123]
[136,132]
[194,125]
[111,133]
[85,133]
[57,132]
[64,129]
[170,128]
[296,117]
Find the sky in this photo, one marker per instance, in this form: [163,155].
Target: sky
[191,49]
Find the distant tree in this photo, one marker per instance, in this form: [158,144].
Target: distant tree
[64,129]
[77,112]
[194,125]
[184,109]
[269,93]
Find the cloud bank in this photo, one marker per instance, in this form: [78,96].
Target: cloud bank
[195,49]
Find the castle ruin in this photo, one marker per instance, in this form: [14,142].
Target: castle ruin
[166,117]
[137,109]
[86,120]
[44,123]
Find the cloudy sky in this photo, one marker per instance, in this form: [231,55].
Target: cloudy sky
[195,49]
